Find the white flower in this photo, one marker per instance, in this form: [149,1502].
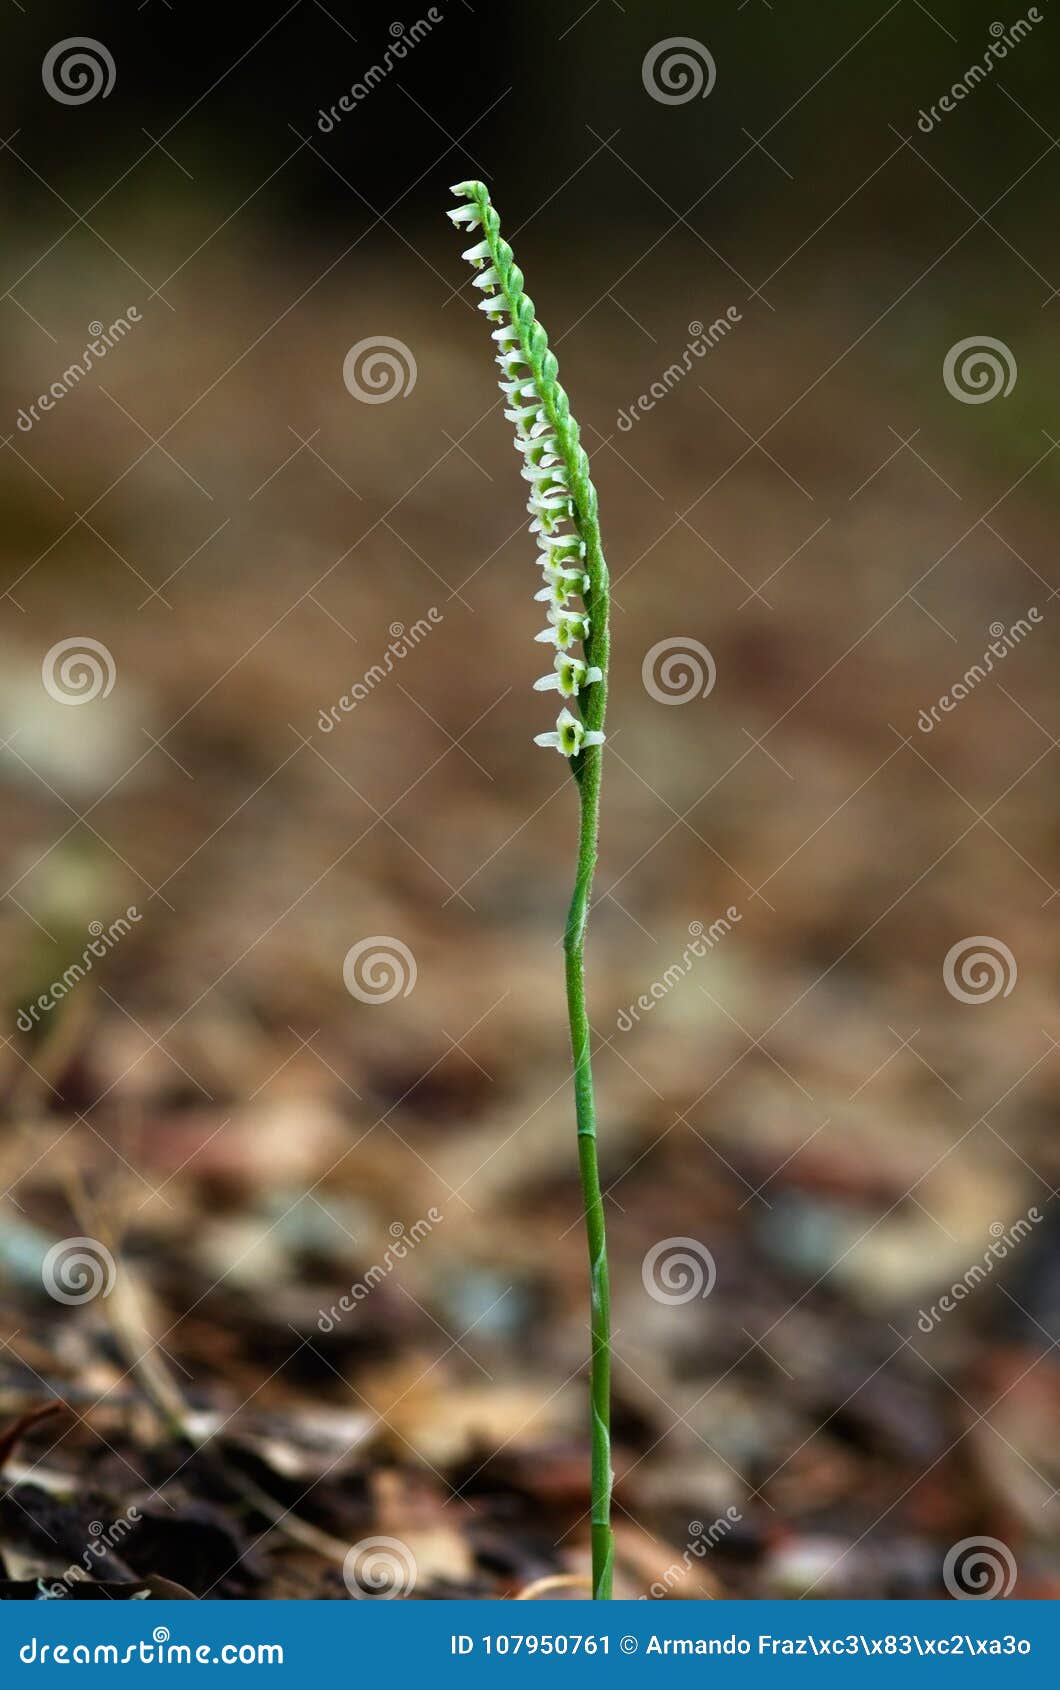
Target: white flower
[566,543]
[566,569]
[544,524]
[538,438]
[469,214]
[550,505]
[522,417]
[568,677]
[540,435]
[570,736]
[560,588]
[567,627]
[543,470]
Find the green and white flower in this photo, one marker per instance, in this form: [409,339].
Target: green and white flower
[568,677]
[570,735]
[566,628]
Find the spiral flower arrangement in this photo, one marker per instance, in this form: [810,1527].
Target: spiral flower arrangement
[565,525]
[562,502]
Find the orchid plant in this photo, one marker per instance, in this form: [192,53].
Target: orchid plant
[565,526]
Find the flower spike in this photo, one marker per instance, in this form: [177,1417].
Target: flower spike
[562,502]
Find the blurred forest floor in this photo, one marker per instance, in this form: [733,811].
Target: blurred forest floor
[810,1103]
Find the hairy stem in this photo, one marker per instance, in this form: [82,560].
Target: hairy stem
[588,769]
[585,1106]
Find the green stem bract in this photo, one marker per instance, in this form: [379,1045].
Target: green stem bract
[587,770]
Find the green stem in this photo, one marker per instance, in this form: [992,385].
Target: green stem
[588,769]
[585,1106]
